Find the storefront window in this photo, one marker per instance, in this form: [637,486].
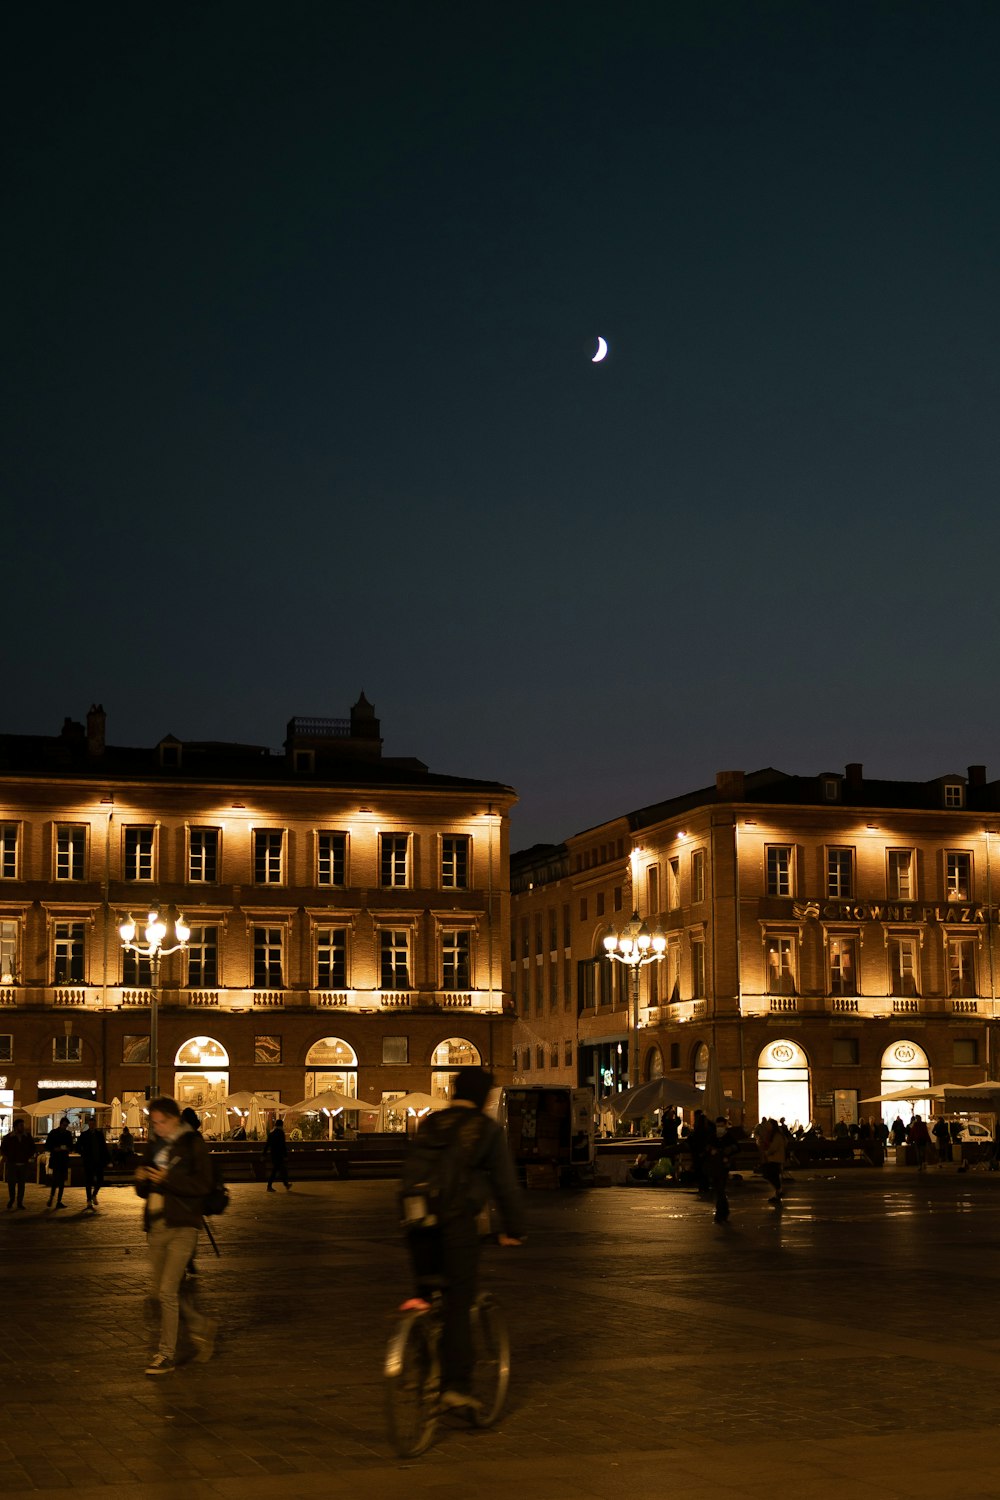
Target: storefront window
[455,1053]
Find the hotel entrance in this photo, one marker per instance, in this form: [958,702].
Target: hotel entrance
[783,1083]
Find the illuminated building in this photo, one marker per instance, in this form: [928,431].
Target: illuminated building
[833,937]
[348,916]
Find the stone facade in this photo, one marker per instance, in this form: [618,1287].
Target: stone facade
[349,915]
[831,936]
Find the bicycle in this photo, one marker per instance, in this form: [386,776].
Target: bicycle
[413,1372]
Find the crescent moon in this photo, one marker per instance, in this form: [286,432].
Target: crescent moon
[602,349]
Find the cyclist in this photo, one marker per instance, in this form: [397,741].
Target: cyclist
[446,1256]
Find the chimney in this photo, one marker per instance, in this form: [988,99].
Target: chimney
[730,786]
[95,730]
[977,775]
[853,775]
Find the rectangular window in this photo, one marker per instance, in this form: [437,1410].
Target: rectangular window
[901,880]
[840,872]
[697,969]
[673,884]
[71,851]
[6,1047]
[600,904]
[268,969]
[394,955]
[568,1054]
[606,979]
[139,853]
[395,1050]
[586,974]
[393,859]
[9,966]
[672,983]
[267,1050]
[68,953]
[843,966]
[617,903]
[203,958]
[553,930]
[137,971]
[653,889]
[268,847]
[539,1057]
[135,1048]
[675,1054]
[331,859]
[904,972]
[965,1052]
[779,870]
[203,856]
[962,967]
[553,1054]
[958,876]
[331,958]
[845,1052]
[698,875]
[8,851]
[538,932]
[954,795]
[67,1049]
[780,958]
[455,862]
[583,908]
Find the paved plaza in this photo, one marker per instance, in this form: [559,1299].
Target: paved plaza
[845,1345]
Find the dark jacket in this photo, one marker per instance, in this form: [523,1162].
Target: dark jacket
[189,1178]
[93,1147]
[59,1143]
[276,1144]
[492,1171]
[18,1149]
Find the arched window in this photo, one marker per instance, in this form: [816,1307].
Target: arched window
[456,1052]
[905,1066]
[332,1063]
[783,1083]
[202,1072]
[654,1064]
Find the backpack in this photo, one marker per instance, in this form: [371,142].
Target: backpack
[437,1171]
[216,1200]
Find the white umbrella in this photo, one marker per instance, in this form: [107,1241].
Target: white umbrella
[244,1099]
[661,1093]
[256,1123]
[419,1103]
[215,1119]
[117,1115]
[985,1095]
[61,1105]
[133,1117]
[332,1100]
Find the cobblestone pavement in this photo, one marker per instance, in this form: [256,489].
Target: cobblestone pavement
[847,1344]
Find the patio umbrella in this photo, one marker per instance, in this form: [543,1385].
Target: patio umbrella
[419,1103]
[715,1100]
[332,1100]
[256,1122]
[985,1095]
[133,1117]
[117,1114]
[661,1093]
[61,1105]
[215,1118]
[244,1099]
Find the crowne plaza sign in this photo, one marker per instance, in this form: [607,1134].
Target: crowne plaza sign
[954,913]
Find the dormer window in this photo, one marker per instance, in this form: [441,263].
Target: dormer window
[304,762]
[170,755]
[831,789]
[954,794]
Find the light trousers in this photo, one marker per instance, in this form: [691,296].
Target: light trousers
[170,1250]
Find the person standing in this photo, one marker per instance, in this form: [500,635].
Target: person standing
[276,1146]
[58,1143]
[723,1145]
[445,1254]
[919,1137]
[942,1139]
[19,1151]
[173,1180]
[93,1148]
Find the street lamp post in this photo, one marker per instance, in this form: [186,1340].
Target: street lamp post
[155,933]
[635,946]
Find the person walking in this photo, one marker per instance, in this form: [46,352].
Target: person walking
[723,1145]
[919,1137]
[93,1148]
[771,1145]
[276,1146]
[445,1253]
[58,1143]
[19,1151]
[173,1180]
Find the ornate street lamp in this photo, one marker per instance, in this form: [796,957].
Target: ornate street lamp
[635,946]
[153,949]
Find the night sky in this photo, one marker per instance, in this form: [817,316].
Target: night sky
[299,308]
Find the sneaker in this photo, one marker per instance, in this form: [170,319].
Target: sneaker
[161,1364]
[459,1401]
[204,1343]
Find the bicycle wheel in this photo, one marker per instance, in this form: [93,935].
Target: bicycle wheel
[412,1381]
[491,1374]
